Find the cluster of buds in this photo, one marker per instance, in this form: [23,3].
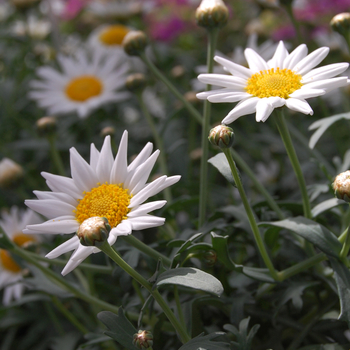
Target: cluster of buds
[341,186]
[221,136]
[143,339]
[94,231]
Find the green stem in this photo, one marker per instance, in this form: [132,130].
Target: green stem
[132,240]
[178,304]
[158,142]
[345,249]
[59,280]
[283,130]
[69,315]
[195,114]
[203,186]
[250,215]
[289,9]
[246,168]
[109,251]
[56,158]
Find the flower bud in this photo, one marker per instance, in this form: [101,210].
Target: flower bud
[341,186]
[341,23]
[93,231]
[210,257]
[221,136]
[108,130]
[46,126]
[135,42]
[211,14]
[191,97]
[143,339]
[10,173]
[135,82]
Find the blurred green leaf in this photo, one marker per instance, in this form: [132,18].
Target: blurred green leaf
[204,343]
[220,162]
[326,205]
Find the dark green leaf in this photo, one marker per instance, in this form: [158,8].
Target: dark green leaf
[326,205]
[120,329]
[191,278]
[205,343]
[220,162]
[312,231]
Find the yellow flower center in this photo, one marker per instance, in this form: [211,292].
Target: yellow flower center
[83,87]
[113,35]
[273,82]
[7,262]
[107,200]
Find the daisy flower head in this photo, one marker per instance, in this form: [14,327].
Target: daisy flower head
[11,274]
[83,84]
[287,79]
[106,187]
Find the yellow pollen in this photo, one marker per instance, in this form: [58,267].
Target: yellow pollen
[83,87]
[273,82]
[113,35]
[107,200]
[7,262]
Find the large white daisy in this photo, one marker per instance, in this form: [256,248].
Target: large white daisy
[106,187]
[83,85]
[11,274]
[285,80]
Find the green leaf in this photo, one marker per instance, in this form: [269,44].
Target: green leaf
[326,205]
[191,278]
[312,231]
[204,343]
[342,278]
[120,329]
[220,162]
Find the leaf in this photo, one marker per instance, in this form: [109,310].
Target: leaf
[66,341]
[326,205]
[342,278]
[312,231]
[92,339]
[322,125]
[220,162]
[120,329]
[191,278]
[205,343]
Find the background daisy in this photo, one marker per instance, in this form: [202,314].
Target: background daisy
[106,187]
[83,85]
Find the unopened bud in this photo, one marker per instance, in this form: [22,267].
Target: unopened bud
[211,14]
[135,82]
[46,126]
[135,42]
[143,339]
[210,257]
[341,186]
[10,173]
[108,130]
[221,136]
[93,231]
[341,23]
[191,97]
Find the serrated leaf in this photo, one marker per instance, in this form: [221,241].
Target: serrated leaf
[326,205]
[312,231]
[191,278]
[205,343]
[220,162]
[120,329]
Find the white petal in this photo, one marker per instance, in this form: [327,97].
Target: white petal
[56,195]
[325,72]
[55,226]
[299,106]
[171,180]
[83,252]
[147,221]
[63,184]
[244,107]
[94,156]
[295,56]
[255,62]
[146,208]
[70,266]
[228,81]
[234,68]
[263,110]
[311,61]
[65,247]
[328,84]
[105,161]
[228,97]
[50,208]
[278,58]
[123,229]
[120,165]
[305,93]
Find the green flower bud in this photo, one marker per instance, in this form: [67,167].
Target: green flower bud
[135,82]
[210,257]
[46,125]
[341,186]
[135,42]
[341,23]
[143,339]
[221,136]
[94,231]
[211,14]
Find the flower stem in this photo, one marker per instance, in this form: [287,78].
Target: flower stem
[246,168]
[109,251]
[250,215]
[283,130]
[55,156]
[132,240]
[159,144]
[195,114]
[345,249]
[203,185]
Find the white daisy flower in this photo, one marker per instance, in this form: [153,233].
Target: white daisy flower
[11,274]
[107,188]
[285,80]
[83,84]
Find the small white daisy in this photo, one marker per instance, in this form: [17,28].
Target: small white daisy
[83,84]
[106,187]
[11,274]
[285,80]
